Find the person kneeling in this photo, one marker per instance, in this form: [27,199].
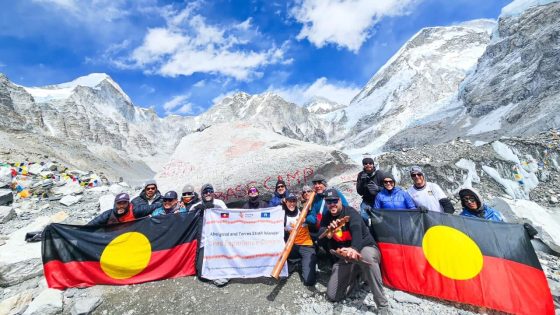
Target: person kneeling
[303,253]
[361,255]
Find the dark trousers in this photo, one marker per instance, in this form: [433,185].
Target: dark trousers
[307,258]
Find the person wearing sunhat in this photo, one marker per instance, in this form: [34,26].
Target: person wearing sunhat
[189,197]
[354,241]
[170,205]
[122,211]
[392,196]
[302,256]
[254,201]
[368,184]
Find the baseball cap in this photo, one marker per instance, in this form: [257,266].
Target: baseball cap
[331,194]
[170,195]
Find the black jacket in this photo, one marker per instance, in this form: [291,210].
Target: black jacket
[368,185]
[141,205]
[355,233]
[191,203]
[110,216]
[255,204]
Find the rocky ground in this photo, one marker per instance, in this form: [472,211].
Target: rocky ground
[24,288]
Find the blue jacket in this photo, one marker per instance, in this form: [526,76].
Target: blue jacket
[397,198]
[316,212]
[161,211]
[487,213]
[277,199]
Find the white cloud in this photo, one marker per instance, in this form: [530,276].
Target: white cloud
[199,84]
[339,92]
[345,23]
[181,105]
[188,45]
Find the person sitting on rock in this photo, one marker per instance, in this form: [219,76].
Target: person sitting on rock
[170,205]
[354,241]
[305,193]
[208,202]
[149,199]
[474,207]
[303,254]
[427,194]
[280,192]
[189,197]
[368,184]
[318,207]
[123,211]
[254,201]
[393,197]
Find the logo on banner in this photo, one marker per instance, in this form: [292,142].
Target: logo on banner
[265,215]
[224,215]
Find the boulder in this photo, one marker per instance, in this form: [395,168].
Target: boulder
[84,306]
[71,188]
[233,156]
[116,189]
[48,302]
[16,304]
[35,169]
[6,197]
[5,176]
[20,260]
[106,202]
[6,214]
[70,200]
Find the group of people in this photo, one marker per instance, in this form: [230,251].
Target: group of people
[353,240]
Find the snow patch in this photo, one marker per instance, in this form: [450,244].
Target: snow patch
[504,152]
[539,216]
[517,7]
[512,188]
[492,121]
[471,177]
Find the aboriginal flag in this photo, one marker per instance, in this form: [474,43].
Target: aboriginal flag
[461,259]
[144,250]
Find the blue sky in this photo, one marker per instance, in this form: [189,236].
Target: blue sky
[181,56]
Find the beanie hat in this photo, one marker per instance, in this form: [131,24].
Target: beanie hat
[150,182]
[280,182]
[367,160]
[188,188]
[252,187]
[319,178]
[416,170]
[206,187]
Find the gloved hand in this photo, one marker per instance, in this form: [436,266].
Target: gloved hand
[422,209]
[530,230]
[373,188]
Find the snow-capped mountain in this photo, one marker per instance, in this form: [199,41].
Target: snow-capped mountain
[418,82]
[320,105]
[515,88]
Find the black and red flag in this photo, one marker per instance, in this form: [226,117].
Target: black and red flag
[462,259]
[144,250]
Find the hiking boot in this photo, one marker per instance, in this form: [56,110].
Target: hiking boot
[220,282]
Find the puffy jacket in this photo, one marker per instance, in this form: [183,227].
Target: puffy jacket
[110,217]
[369,185]
[394,199]
[255,204]
[318,209]
[277,199]
[162,211]
[142,206]
[483,211]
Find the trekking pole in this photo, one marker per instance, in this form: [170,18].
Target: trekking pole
[290,243]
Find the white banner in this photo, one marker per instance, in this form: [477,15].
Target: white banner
[242,243]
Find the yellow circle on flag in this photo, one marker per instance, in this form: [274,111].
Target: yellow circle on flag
[126,255]
[452,253]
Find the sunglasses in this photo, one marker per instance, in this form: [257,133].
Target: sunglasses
[188,194]
[368,163]
[388,182]
[280,186]
[331,201]
[469,199]
[253,191]
[207,192]
[306,191]
[168,200]
[151,188]
[416,175]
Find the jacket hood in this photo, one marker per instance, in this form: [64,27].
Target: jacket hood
[471,192]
